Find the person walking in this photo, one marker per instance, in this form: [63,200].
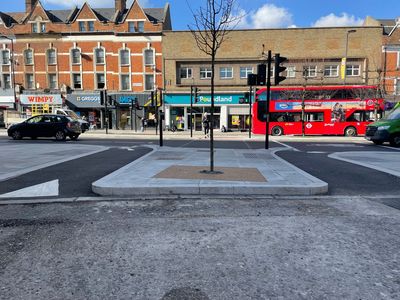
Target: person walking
[206,125]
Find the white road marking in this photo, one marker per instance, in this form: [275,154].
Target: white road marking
[45,189]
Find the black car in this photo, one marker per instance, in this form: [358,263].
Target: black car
[46,125]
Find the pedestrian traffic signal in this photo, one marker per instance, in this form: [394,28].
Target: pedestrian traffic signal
[247,97]
[261,74]
[279,69]
[110,100]
[252,79]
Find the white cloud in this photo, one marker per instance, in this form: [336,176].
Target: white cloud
[93,3]
[332,20]
[271,16]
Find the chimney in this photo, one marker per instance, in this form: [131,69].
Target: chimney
[120,5]
[29,5]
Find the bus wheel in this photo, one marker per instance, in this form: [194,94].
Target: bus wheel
[276,131]
[395,140]
[350,131]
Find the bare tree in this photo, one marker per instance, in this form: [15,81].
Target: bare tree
[212,23]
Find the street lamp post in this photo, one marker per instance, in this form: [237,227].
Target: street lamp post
[345,55]
[12,67]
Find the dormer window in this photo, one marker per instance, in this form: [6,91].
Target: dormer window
[38,27]
[82,27]
[140,25]
[90,25]
[131,27]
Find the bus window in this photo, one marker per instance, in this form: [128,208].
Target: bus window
[357,116]
[314,116]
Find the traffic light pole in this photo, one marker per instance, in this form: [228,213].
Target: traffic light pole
[191,111]
[132,114]
[250,123]
[106,110]
[268,99]
[160,121]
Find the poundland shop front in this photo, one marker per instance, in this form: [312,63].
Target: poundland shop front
[228,111]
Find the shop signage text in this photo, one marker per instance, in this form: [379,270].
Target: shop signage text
[41,99]
[203,99]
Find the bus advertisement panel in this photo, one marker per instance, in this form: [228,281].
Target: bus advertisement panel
[342,110]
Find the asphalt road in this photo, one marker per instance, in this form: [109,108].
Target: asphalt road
[343,178]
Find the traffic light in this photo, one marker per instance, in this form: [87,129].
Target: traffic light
[152,98]
[261,74]
[252,79]
[110,100]
[247,97]
[262,111]
[279,69]
[196,96]
[137,106]
[103,97]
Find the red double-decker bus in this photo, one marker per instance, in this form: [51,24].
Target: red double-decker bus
[318,110]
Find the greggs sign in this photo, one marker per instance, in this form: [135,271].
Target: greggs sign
[40,99]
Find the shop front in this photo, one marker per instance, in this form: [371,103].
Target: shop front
[125,112]
[228,111]
[88,107]
[6,103]
[35,104]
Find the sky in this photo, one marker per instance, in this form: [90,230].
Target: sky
[256,13]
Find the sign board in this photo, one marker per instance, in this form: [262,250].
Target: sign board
[40,99]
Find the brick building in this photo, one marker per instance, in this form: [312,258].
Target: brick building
[314,58]
[66,57]
[390,55]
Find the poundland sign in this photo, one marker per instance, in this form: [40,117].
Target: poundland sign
[40,99]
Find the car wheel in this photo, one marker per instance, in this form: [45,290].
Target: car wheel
[395,140]
[276,131]
[350,131]
[378,142]
[74,137]
[16,135]
[60,135]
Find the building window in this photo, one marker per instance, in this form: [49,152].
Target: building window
[82,27]
[28,56]
[291,72]
[99,54]
[77,81]
[205,73]
[149,57]
[7,81]
[331,71]
[310,71]
[42,27]
[124,57]
[185,72]
[125,82]
[100,81]
[76,56]
[352,70]
[90,25]
[225,73]
[51,57]
[35,28]
[131,27]
[52,81]
[30,84]
[140,25]
[5,57]
[245,71]
[149,82]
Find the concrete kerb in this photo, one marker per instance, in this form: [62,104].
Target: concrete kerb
[291,181]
